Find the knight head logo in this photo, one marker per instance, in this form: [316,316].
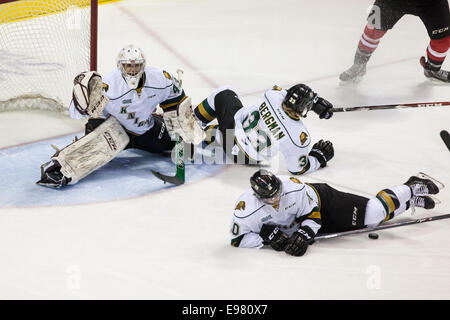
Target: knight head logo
[295,180]
[240,205]
[303,138]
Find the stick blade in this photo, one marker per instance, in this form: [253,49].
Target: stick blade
[446,138]
[170,179]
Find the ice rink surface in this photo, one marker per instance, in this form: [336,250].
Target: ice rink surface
[174,244]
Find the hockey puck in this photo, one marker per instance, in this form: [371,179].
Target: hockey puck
[373,235]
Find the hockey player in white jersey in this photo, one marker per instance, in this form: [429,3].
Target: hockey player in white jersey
[286,214]
[120,111]
[257,133]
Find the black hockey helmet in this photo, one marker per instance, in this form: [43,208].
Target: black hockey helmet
[299,100]
[266,185]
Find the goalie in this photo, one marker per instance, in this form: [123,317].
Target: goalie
[121,114]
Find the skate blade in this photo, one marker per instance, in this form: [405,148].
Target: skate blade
[48,185]
[439,184]
[436,81]
[436,200]
[351,82]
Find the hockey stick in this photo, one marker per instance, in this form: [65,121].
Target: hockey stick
[382,227]
[446,138]
[179,176]
[393,106]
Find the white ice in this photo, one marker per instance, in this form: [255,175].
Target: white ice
[175,244]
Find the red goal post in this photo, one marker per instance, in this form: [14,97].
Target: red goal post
[44,44]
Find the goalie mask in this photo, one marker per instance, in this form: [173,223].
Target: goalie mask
[266,186]
[131,63]
[298,101]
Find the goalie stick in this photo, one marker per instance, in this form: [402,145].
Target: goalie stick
[392,106]
[446,138]
[382,227]
[179,176]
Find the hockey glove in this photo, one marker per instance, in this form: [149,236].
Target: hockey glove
[323,108]
[299,241]
[322,151]
[272,235]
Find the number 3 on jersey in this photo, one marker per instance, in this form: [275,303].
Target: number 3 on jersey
[257,137]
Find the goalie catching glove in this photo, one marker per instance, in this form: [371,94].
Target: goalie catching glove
[88,97]
[183,122]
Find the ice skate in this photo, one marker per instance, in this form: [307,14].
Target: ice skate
[422,184]
[425,202]
[52,176]
[353,74]
[434,73]
[357,71]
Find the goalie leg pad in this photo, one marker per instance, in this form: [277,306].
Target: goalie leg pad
[92,151]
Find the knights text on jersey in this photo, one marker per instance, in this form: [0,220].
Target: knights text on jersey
[133,108]
[298,202]
[263,130]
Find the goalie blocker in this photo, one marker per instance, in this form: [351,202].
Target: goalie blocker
[183,122]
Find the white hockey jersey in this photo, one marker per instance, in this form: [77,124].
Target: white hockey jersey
[133,108]
[299,206]
[263,130]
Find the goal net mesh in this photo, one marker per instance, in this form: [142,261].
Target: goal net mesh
[44,44]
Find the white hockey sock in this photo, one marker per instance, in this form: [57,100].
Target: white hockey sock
[387,204]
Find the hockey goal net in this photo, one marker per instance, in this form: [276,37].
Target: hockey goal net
[44,44]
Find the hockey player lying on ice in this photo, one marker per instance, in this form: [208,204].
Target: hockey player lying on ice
[120,110]
[256,133]
[286,214]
